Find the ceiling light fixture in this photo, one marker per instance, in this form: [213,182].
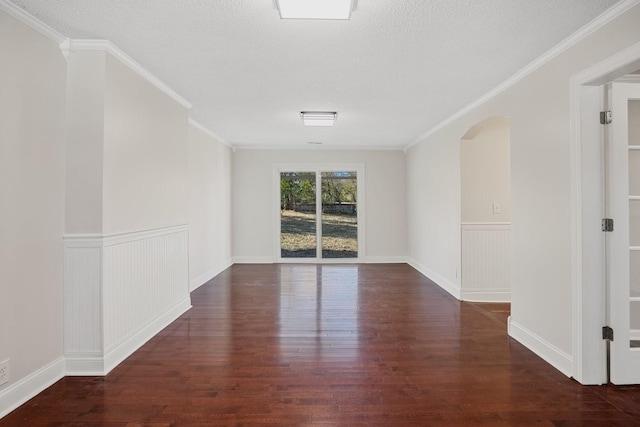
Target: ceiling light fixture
[315,9]
[318,118]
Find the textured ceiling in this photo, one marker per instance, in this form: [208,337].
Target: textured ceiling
[393,72]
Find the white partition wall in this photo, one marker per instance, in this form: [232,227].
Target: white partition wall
[209,205]
[126,241]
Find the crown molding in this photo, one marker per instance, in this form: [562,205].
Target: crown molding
[593,26]
[30,20]
[208,132]
[70,46]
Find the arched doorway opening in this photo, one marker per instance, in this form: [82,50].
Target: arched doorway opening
[486,211]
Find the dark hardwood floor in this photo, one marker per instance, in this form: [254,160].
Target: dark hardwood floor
[331,345]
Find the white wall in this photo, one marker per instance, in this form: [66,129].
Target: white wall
[209,206]
[84,120]
[32,105]
[96,150]
[485,175]
[253,198]
[126,259]
[433,209]
[145,154]
[538,108]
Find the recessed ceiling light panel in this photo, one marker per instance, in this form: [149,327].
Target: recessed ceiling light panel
[315,9]
[319,118]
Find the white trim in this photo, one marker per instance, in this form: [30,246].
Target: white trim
[200,280]
[593,26]
[386,260]
[486,295]
[629,78]
[68,46]
[581,372]
[82,241]
[611,68]
[113,239]
[547,351]
[208,132]
[75,45]
[445,284]
[84,365]
[584,298]
[26,388]
[110,239]
[33,22]
[254,260]
[634,334]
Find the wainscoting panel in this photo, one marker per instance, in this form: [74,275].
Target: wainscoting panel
[120,290]
[82,296]
[146,277]
[486,251]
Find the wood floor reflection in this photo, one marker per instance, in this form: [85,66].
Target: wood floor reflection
[330,345]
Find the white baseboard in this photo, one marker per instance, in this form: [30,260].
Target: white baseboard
[82,366]
[487,295]
[254,260]
[204,278]
[26,388]
[90,365]
[445,284]
[547,351]
[634,334]
[386,260]
[366,260]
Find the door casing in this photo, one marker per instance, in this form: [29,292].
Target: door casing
[587,211]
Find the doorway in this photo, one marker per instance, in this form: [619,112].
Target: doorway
[590,297]
[485,205]
[319,213]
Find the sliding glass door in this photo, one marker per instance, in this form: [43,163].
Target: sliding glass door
[319,217]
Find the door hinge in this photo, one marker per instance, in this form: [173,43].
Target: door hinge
[605,117]
[607,224]
[607,333]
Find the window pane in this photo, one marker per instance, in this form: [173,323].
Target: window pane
[339,214]
[298,215]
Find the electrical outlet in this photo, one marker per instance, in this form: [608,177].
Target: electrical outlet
[4,372]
